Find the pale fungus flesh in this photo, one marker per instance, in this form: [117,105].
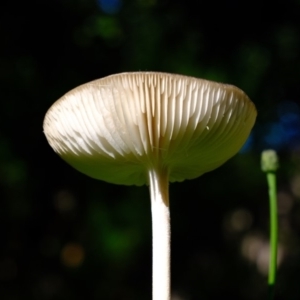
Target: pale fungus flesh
[116,128]
[150,128]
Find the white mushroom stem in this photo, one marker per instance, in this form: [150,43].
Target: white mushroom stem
[158,184]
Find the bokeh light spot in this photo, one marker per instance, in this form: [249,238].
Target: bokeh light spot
[275,137]
[256,249]
[295,185]
[285,132]
[65,201]
[72,255]
[110,7]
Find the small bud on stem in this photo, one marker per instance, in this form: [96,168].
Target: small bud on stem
[269,161]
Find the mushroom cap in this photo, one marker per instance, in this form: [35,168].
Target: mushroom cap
[117,128]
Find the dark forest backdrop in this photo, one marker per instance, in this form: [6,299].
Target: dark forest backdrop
[66,236]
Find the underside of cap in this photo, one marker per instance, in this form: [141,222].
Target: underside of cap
[118,127]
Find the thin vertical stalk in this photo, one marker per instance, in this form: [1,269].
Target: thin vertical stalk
[158,184]
[269,165]
[271,177]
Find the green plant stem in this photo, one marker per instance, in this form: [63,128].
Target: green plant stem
[271,178]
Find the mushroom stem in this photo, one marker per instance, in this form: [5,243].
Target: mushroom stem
[158,184]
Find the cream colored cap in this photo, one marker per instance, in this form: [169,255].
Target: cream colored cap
[118,127]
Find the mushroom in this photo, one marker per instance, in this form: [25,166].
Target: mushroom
[150,128]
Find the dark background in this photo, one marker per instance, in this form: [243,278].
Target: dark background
[66,236]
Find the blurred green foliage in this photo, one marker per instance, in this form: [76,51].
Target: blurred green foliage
[65,236]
